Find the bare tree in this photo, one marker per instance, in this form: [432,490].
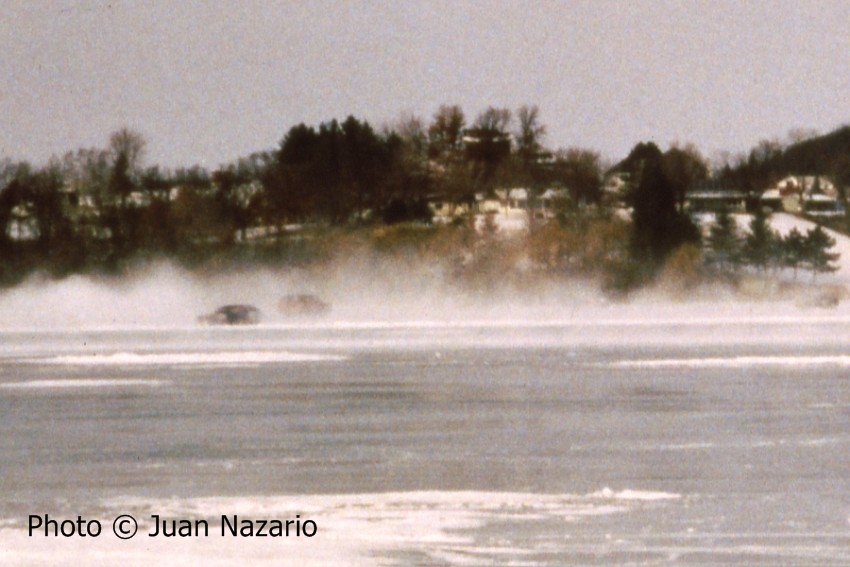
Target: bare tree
[488,145]
[529,150]
[126,148]
[580,171]
[493,119]
[797,135]
[449,176]
[130,144]
[529,134]
[411,131]
[411,164]
[445,135]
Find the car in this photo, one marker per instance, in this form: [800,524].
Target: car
[232,315]
[302,305]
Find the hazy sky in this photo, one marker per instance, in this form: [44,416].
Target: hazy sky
[209,81]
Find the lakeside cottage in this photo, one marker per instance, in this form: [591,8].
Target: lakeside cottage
[813,195]
[507,208]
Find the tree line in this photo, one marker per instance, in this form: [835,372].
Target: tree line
[763,248]
[97,208]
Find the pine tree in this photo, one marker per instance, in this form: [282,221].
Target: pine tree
[759,246]
[724,241]
[816,245]
[657,227]
[793,250]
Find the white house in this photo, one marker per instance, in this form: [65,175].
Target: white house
[811,194]
[551,201]
[23,224]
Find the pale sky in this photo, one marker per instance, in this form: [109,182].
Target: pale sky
[209,81]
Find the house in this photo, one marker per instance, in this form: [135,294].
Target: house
[486,204]
[23,224]
[444,210]
[711,197]
[551,202]
[517,199]
[771,200]
[616,188]
[822,206]
[245,193]
[138,200]
[507,209]
[812,195]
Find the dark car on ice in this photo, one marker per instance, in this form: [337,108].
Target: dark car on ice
[233,315]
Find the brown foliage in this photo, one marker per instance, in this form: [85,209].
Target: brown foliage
[683,269]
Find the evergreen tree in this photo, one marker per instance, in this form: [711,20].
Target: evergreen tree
[793,250]
[724,241]
[658,227]
[335,174]
[759,245]
[816,245]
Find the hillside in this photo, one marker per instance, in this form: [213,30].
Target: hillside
[783,223]
[827,154]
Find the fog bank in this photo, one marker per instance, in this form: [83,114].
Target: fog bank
[360,290]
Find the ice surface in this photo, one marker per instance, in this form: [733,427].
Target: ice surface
[427,528]
[353,529]
[80,383]
[736,362]
[187,358]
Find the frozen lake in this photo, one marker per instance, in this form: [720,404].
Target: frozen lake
[686,442]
